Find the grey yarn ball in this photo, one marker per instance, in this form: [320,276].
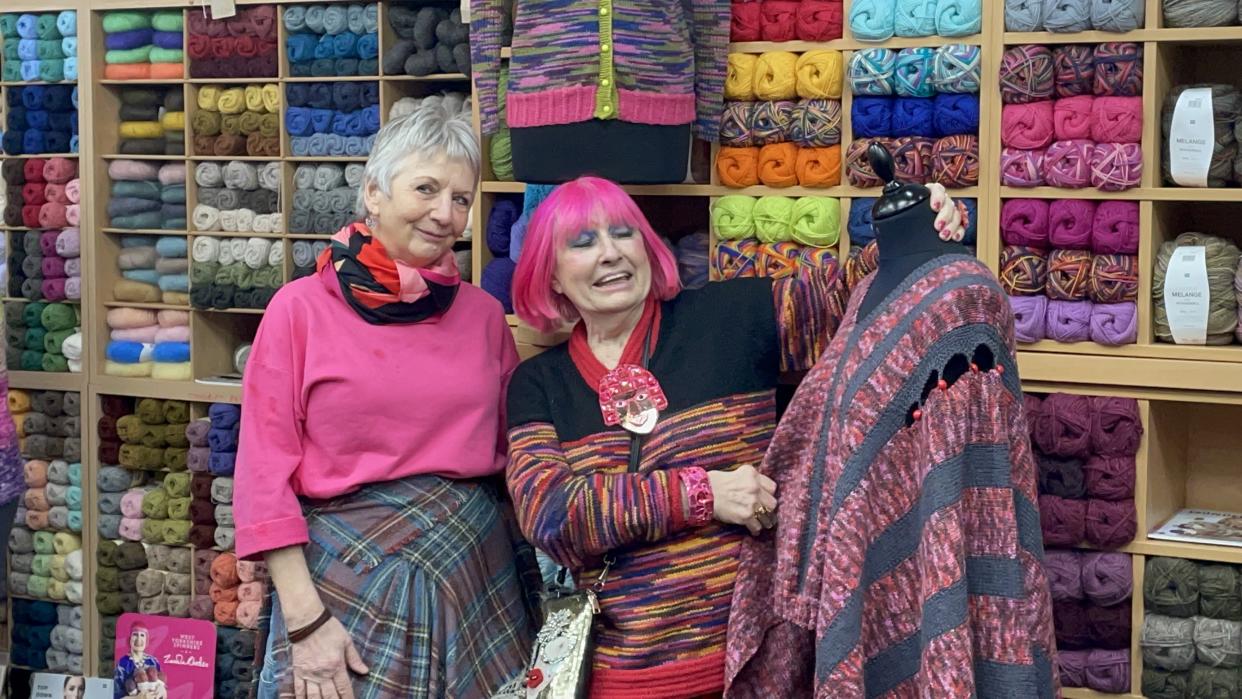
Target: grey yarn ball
[1168,642]
[1226,106]
[1218,642]
[1067,16]
[1024,15]
[1118,15]
[1200,13]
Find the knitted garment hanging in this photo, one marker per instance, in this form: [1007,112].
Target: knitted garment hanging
[383,291]
[907,560]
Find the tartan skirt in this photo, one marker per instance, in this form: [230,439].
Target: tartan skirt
[434,583]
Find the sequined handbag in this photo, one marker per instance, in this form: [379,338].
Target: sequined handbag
[560,666]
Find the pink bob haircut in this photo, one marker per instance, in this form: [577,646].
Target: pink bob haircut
[571,208]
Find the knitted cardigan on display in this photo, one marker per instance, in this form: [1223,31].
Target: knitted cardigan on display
[907,559]
[718,354]
[643,61]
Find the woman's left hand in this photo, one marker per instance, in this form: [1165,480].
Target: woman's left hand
[951,218]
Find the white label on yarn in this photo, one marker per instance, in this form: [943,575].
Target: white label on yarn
[465,11]
[1192,138]
[1186,295]
[223,9]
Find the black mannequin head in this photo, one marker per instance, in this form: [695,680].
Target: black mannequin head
[897,197]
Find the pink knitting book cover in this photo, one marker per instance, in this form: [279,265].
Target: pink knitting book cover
[162,657]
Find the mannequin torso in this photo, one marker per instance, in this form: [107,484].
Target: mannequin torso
[904,241]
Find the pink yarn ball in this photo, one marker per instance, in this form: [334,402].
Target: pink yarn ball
[1071,117]
[1027,126]
[1022,168]
[1025,222]
[1116,167]
[1067,164]
[1117,120]
[1115,229]
[1070,223]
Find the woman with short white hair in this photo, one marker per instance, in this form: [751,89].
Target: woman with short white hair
[371,435]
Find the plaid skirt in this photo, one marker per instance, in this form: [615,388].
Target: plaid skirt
[434,583]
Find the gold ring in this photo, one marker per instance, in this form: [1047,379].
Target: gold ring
[764,516]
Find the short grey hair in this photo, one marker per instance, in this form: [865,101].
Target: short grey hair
[430,130]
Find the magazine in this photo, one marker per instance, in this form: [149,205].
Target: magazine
[1202,527]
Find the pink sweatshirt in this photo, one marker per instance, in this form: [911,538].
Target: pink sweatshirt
[363,403]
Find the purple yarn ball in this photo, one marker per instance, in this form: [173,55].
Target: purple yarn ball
[1114,324]
[1069,321]
[1030,315]
[497,280]
[504,213]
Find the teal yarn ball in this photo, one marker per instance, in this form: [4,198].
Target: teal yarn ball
[873,20]
[912,74]
[959,17]
[870,71]
[915,18]
[956,68]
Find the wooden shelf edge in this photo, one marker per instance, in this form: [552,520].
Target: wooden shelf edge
[1146,373]
[157,388]
[1083,693]
[47,381]
[1198,552]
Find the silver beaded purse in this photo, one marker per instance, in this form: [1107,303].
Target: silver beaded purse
[560,666]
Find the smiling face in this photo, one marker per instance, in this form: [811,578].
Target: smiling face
[138,640]
[427,210]
[603,270]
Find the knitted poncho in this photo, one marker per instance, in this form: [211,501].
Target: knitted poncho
[907,560]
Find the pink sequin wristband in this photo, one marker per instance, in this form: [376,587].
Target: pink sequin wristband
[699,494]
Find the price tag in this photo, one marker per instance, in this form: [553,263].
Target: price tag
[1186,295]
[223,9]
[1192,138]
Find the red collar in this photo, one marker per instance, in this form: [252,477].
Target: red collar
[591,369]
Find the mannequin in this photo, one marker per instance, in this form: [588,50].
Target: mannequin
[903,222]
[617,150]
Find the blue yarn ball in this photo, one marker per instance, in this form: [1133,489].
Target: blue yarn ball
[913,116]
[871,71]
[859,225]
[956,68]
[955,114]
[912,74]
[915,18]
[872,20]
[959,17]
[871,117]
[497,280]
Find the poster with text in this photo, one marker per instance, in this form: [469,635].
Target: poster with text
[160,657]
[49,685]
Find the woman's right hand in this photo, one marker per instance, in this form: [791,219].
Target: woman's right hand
[737,494]
[322,661]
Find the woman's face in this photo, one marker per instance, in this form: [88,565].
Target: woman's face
[75,688]
[138,640]
[603,269]
[427,211]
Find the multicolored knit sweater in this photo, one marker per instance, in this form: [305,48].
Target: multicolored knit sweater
[907,561]
[643,61]
[666,600]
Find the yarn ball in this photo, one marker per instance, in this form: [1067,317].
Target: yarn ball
[1118,69]
[912,73]
[1114,278]
[1026,74]
[1110,626]
[816,221]
[955,161]
[778,19]
[692,261]
[735,121]
[819,74]
[1116,167]
[1069,622]
[746,23]
[738,167]
[870,71]
[912,116]
[1022,168]
[873,20]
[861,262]
[959,17]
[773,218]
[821,259]
[1162,684]
[778,260]
[816,123]
[771,122]
[500,149]
[1030,317]
[1069,274]
[860,222]
[1222,262]
[914,18]
[497,280]
[775,76]
[955,114]
[1069,321]
[1070,223]
[740,77]
[1061,477]
[1067,164]
[1117,119]
[1024,16]
[1063,522]
[1116,428]
[857,167]
[1028,125]
[1107,578]
[1218,592]
[1108,669]
[1218,643]
[1025,222]
[733,217]
[872,117]
[1168,641]
[818,167]
[1199,13]
[736,259]
[1114,229]
[1063,426]
[1110,524]
[1118,16]
[1067,17]
[1072,664]
[1073,67]
[1110,477]
[1226,108]
[1023,270]
[1071,117]
[819,20]
[912,158]
[778,165]
[1064,570]
[956,69]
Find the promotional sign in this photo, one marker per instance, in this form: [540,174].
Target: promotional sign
[159,657]
[48,685]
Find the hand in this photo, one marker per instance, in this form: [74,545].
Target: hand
[737,494]
[951,221]
[321,662]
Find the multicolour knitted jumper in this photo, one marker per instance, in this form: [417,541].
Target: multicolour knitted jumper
[907,561]
[643,61]
[666,601]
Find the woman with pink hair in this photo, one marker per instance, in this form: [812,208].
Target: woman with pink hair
[631,445]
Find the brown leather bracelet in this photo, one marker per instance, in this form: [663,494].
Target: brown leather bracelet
[302,633]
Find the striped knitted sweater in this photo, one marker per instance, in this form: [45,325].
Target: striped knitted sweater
[665,605]
[907,560]
[643,61]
